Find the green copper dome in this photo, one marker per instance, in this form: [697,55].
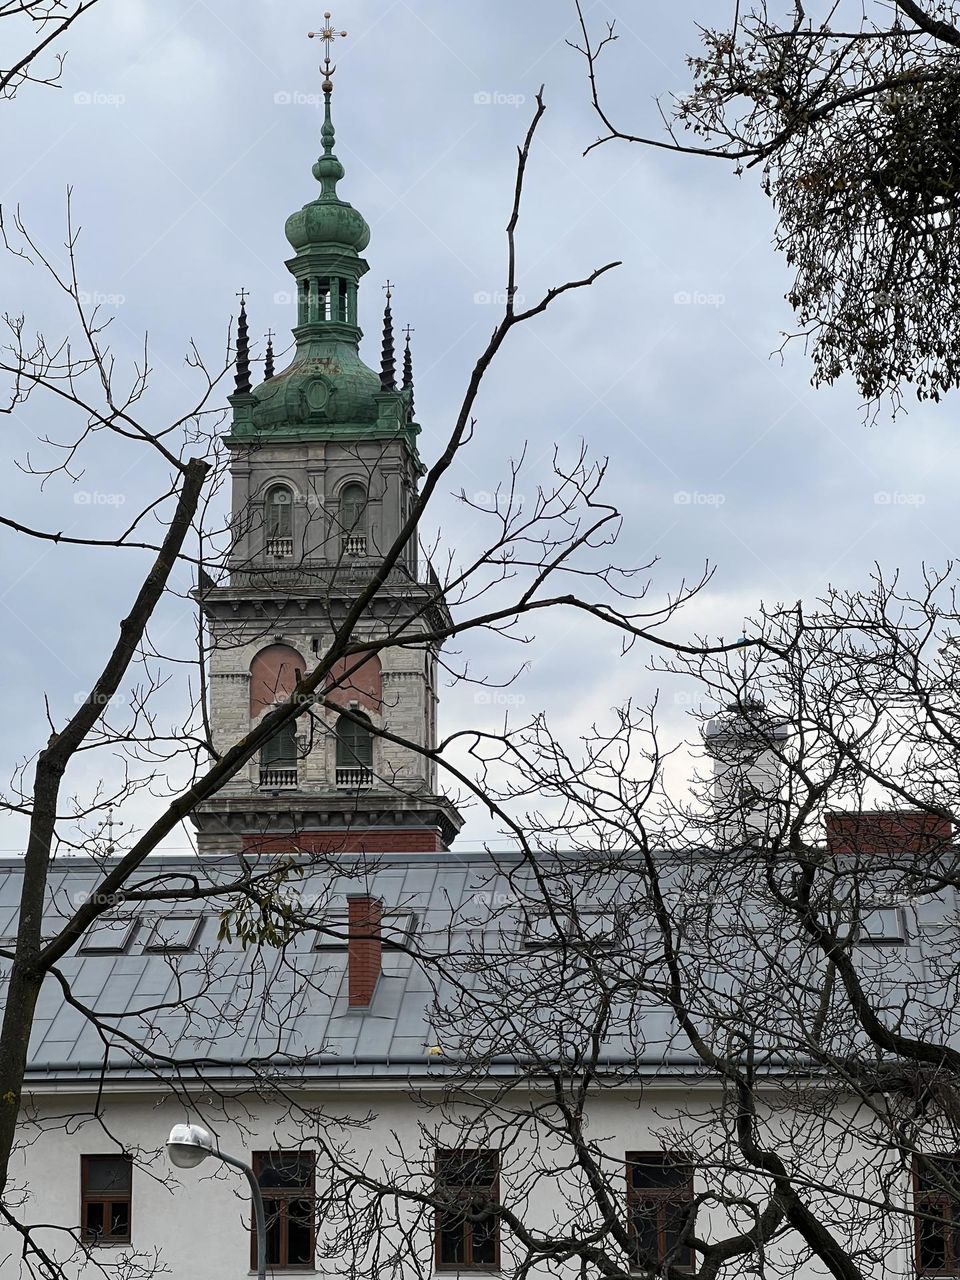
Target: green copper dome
[326,385]
[333,223]
[327,392]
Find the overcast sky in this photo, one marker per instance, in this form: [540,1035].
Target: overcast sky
[187,131]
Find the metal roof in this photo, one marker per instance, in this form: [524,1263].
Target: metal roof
[210,1006]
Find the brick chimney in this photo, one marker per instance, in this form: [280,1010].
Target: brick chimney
[886,833]
[364,949]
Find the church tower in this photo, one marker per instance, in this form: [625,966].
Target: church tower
[325,469]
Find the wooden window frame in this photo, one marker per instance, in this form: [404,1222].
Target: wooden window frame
[468,1263]
[922,1199]
[88,1197]
[272,1195]
[677,1195]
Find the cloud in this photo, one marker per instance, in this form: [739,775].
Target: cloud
[183,190]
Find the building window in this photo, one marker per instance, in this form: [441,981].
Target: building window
[878,925]
[353,520]
[467,1230]
[278,757]
[106,1184]
[937,1205]
[354,750]
[279,512]
[286,1179]
[659,1200]
[279,515]
[174,934]
[108,936]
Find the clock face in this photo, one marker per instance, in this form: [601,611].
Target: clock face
[316,394]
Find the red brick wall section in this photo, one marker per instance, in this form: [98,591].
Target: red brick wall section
[363,685]
[886,834]
[412,840]
[364,949]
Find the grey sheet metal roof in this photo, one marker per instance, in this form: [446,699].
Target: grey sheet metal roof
[217,1006]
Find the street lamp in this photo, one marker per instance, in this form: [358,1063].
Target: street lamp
[189,1145]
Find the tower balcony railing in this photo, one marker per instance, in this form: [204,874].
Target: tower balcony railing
[280,548]
[355,544]
[278,776]
[354,777]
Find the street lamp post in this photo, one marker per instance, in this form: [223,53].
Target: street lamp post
[189,1145]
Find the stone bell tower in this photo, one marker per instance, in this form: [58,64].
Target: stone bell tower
[325,470]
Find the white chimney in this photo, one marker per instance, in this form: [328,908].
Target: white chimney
[745,742]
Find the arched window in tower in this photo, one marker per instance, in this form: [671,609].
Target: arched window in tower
[279,519]
[278,758]
[353,520]
[354,751]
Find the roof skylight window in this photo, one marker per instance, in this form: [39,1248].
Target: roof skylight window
[174,934]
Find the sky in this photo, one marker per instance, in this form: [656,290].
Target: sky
[186,133]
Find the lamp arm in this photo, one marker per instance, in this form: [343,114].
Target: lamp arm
[258,1210]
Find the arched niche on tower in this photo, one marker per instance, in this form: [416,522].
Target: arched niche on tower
[274,512]
[273,676]
[352,516]
[354,744]
[360,684]
[278,508]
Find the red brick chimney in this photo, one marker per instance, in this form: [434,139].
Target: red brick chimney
[886,833]
[364,949]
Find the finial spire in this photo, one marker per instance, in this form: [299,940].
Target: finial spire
[408,370]
[243,386]
[388,364]
[328,170]
[268,359]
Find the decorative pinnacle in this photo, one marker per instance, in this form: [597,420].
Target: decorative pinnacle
[268,359]
[388,364]
[328,170]
[243,386]
[328,34]
[408,371]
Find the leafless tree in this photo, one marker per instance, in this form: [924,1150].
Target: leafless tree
[779,1004]
[850,115]
[543,554]
[30,38]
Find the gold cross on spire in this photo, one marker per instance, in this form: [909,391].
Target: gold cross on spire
[328,34]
